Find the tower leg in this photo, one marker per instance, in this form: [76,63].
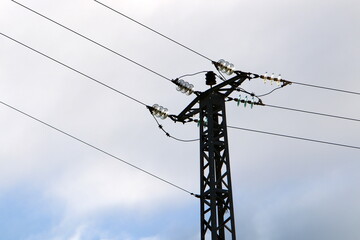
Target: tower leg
[217,213]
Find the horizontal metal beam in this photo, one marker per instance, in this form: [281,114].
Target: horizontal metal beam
[224,88]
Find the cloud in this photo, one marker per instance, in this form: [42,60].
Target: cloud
[102,184]
[283,189]
[78,234]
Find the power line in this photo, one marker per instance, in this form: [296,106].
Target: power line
[73,69]
[310,112]
[192,74]
[97,81]
[98,149]
[151,29]
[148,69]
[294,137]
[89,39]
[265,94]
[326,88]
[287,136]
[182,45]
[304,84]
[260,103]
[138,101]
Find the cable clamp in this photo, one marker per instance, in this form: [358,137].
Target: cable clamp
[195,195]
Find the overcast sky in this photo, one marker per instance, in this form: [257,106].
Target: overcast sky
[53,187]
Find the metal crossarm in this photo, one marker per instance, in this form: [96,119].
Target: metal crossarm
[224,88]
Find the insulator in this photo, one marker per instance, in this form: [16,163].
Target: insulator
[252,102]
[230,69]
[221,64]
[180,84]
[265,76]
[190,90]
[184,87]
[279,80]
[159,111]
[155,108]
[239,100]
[245,102]
[272,78]
[225,67]
[164,113]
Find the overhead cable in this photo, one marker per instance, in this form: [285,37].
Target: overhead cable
[98,149]
[310,112]
[265,94]
[151,29]
[326,88]
[91,78]
[192,74]
[192,50]
[294,137]
[73,69]
[93,41]
[260,103]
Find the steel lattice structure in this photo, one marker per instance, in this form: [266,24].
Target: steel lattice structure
[216,193]
[217,211]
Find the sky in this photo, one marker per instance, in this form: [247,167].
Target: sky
[53,187]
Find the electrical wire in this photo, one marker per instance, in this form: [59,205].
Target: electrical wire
[97,148]
[182,45]
[148,69]
[89,39]
[97,81]
[73,69]
[304,84]
[294,137]
[310,112]
[293,109]
[192,74]
[263,95]
[326,88]
[151,29]
[168,134]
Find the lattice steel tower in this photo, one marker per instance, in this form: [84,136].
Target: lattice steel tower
[217,211]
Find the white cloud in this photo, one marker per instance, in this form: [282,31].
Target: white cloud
[150,238]
[78,234]
[307,41]
[107,184]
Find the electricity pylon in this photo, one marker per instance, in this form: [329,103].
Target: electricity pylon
[217,211]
